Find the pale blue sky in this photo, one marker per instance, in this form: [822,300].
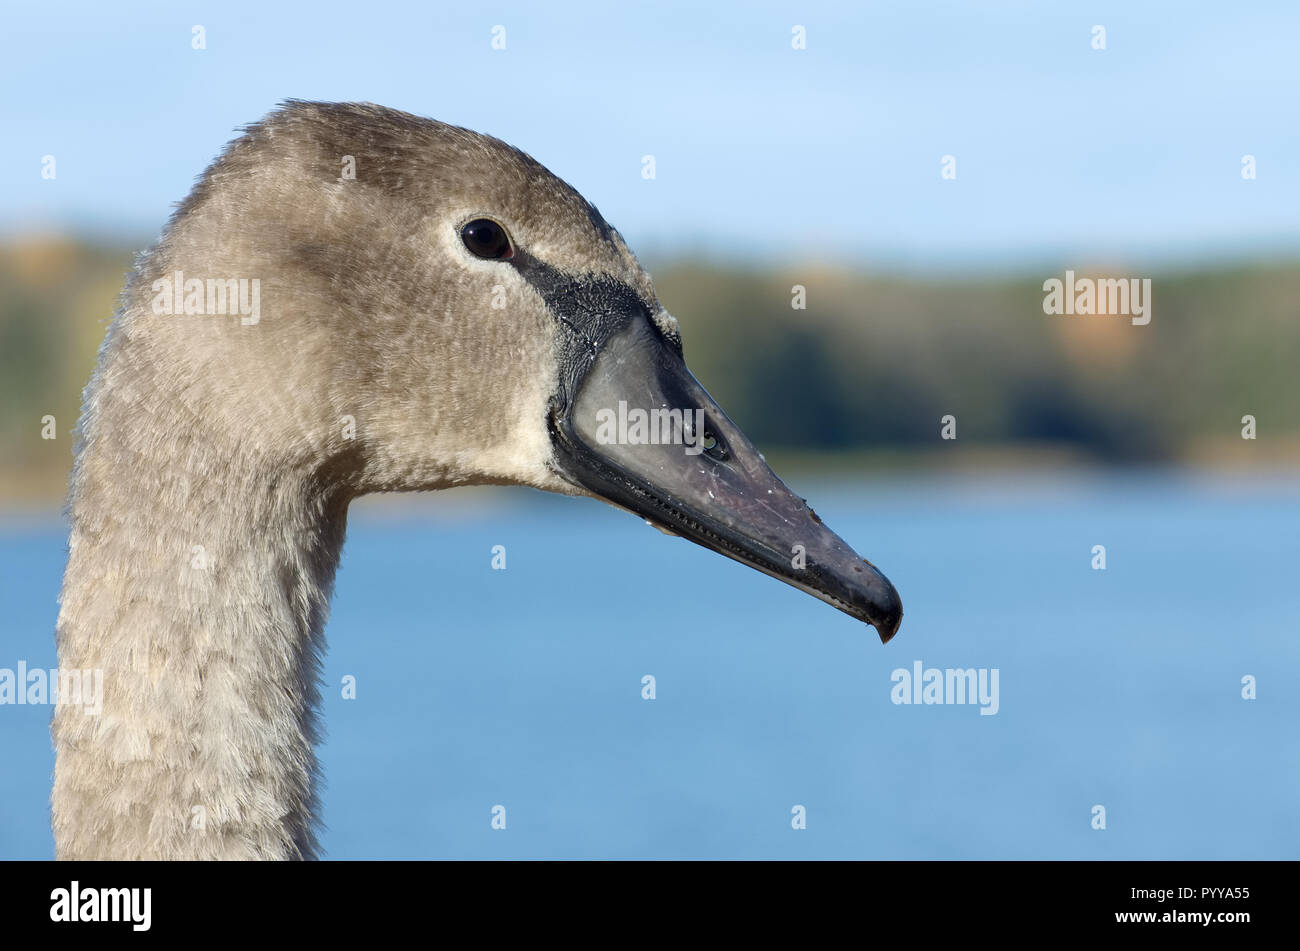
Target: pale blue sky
[1063,153]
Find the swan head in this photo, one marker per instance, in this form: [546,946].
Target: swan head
[436,308]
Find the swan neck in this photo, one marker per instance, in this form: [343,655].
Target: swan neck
[198,582]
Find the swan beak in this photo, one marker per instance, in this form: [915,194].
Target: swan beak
[693,473]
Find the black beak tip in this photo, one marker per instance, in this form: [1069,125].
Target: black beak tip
[886,607]
[888,626]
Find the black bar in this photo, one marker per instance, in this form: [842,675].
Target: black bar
[974,900]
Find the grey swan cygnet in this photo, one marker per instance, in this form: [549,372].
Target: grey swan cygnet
[452,314]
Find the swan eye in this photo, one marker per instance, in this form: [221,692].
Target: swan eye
[487,239]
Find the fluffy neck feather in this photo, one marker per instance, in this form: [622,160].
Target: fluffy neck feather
[198,580]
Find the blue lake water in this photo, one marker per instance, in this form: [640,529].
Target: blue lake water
[522,688]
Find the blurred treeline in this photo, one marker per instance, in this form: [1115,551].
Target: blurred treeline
[870,366]
[875,362]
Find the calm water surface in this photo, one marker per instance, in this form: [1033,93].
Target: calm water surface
[522,688]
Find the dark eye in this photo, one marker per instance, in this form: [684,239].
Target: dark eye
[487,239]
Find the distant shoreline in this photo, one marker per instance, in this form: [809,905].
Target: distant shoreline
[35,494]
